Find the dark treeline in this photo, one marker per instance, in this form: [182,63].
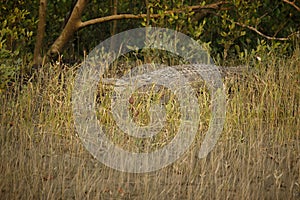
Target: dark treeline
[231,29]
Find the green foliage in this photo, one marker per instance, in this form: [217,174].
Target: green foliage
[17,26]
[175,21]
[223,31]
[231,39]
[16,39]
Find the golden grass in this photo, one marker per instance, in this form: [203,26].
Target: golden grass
[257,156]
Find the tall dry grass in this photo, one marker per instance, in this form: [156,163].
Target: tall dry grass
[257,156]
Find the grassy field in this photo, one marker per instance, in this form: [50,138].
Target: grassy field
[256,157]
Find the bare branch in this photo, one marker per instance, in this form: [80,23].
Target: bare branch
[292,4]
[214,6]
[262,34]
[114,17]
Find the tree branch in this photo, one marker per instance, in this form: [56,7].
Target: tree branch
[214,6]
[114,17]
[74,23]
[262,34]
[292,4]
[71,27]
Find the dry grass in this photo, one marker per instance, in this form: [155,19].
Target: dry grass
[257,156]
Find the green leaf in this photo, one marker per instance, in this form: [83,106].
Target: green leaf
[224,34]
[232,26]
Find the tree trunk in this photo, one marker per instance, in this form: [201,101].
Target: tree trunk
[114,12]
[37,58]
[114,23]
[71,27]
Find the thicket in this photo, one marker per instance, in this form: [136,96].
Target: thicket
[229,30]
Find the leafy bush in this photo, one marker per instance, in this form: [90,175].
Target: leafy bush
[16,40]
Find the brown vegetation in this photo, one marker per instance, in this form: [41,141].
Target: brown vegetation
[257,156]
